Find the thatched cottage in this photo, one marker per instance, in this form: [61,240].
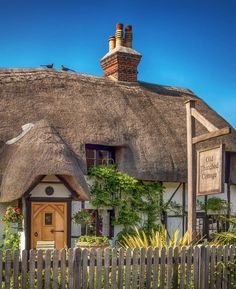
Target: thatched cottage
[54,124]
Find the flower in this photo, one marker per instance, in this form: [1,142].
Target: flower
[18,210]
[12,215]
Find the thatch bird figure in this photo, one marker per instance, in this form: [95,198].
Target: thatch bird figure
[66,69]
[47,65]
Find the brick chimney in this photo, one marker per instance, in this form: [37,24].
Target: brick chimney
[121,62]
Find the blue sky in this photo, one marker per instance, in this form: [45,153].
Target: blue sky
[188,43]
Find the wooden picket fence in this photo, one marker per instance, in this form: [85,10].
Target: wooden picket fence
[191,267]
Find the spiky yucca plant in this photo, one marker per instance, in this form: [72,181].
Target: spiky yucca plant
[157,238]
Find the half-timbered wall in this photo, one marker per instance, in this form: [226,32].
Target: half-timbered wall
[174,191]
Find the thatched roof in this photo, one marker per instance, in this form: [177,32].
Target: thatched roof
[146,121]
[40,152]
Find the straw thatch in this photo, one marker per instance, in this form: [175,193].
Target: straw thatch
[40,152]
[146,123]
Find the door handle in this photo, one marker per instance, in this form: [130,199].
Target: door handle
[54,231]
[36,234]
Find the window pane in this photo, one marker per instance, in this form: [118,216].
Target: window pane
[99,155]
[91,163]
[103,157]
[48,219]
[90,154]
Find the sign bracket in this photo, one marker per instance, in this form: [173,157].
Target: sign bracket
[191,116]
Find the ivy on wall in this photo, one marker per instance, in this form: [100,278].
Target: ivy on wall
[130,197]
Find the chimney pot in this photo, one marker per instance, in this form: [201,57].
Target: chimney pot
[121,64]
[112,42]
[119,34]
[128,28]
[128,36]
[119,26]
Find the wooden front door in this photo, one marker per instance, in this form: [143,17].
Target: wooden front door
[49,223]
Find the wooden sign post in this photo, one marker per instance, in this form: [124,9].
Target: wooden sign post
[191,116]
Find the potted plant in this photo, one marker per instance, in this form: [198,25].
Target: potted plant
[83,217]
[88,242]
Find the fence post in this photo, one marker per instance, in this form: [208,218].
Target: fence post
[142,267]
[63,269]
[219,267]
[24,269]
[40,269]
[32,268]
[55,283]
[196,267]
[169,268]
[202,267]
[176,267]
[1,267]
[120,269]
[163,268]
[213,267]
[85,269]
[91,267]
[47,269]
[77,268]
[8,270]
[16,269]
[113,268]
[99,269]
[156,268]
[135,268]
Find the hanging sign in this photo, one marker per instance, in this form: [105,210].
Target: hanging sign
[210,171]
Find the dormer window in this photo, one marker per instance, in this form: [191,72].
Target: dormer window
[99,155]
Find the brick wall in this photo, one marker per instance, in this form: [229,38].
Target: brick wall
[121,66]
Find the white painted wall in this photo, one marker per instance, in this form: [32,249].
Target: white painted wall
[60,191]
[233,198]
[75,229]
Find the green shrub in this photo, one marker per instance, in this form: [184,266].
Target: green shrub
[94,239]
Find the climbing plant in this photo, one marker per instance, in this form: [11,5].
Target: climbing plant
[12,220]
[130,197]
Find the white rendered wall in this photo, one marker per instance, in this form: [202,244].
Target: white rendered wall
[75,229]
[233,198]
[60,191]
